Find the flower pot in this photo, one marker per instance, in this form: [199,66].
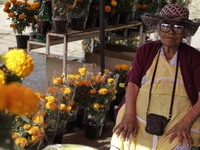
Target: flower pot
[78,23]
[114,19]
[22,41]
[92,130]
[124,17]
[60,26]
[91,22]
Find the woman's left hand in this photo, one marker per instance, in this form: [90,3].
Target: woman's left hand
[182,131]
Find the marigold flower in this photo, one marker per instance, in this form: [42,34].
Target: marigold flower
[13,1]
[36,4]
[124,67]
[118,67]
[62,107]
[82,71]
[68,108]
[51,106]
[138,6]
[42,113]
[50,99]
[39,119]
[65,90]
[39,136]
[110,80]
[103,91]
[114,3]
[58,81]
[121,85]
[11,15]
[144,6]
[22,16]
[22,101]
[96,105]
[107,8]
[52,89]
[87,83]
[113,97]
[93,91]
[71,102]
[27,126]
[2,77]
[14,135]
[34,130]
[12,25]
[81,83]
[70,6]
[102,106]
[19,62]
[7,4]
[21,141]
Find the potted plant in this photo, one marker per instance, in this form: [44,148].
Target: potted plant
[61,13]
[22,15]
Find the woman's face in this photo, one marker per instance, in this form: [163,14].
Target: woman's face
[171,33]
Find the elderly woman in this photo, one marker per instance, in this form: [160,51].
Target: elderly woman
[162,102]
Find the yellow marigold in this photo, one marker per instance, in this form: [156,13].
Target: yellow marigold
[34,130]
[39,95]
[39,136]
[22,16]
[12,25]
[82,71]
[62,107]
[14,135]
[21,141]
[22,101]
[58,81]
[103,91]
[116,42]
[93,91]
[2,77]
[27,126]
[121,85]
[124,67]
[52,89]
[68,108]
[114,3]
[107,8]
[7,4]
[38,119]
[50,99]
[19,62]
[51,106]
[65,90]
[110,80]
[96,105]
[118,67]
[11,15]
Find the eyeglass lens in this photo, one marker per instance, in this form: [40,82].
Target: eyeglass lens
[165,27]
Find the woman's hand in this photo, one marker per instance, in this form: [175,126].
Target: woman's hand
[127,128]
[182,132]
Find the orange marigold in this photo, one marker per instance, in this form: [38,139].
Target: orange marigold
[107,8]
[22,16]
[113,3]
[11,15]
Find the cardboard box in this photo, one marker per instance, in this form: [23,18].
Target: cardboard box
[114,55]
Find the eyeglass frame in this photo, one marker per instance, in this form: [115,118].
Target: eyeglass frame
[172,26]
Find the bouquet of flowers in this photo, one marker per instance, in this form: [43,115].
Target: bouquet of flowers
[22,15]
[100,93]
[14,66]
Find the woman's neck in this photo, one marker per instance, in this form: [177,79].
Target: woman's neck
[170,52]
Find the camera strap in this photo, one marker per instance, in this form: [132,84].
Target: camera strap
[174,87]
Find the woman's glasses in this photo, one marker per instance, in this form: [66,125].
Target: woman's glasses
[165,27]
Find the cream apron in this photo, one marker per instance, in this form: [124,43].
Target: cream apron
[160,104]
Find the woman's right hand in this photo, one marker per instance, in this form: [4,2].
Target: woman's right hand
[127,128]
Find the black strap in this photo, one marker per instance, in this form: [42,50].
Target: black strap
[174,87]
